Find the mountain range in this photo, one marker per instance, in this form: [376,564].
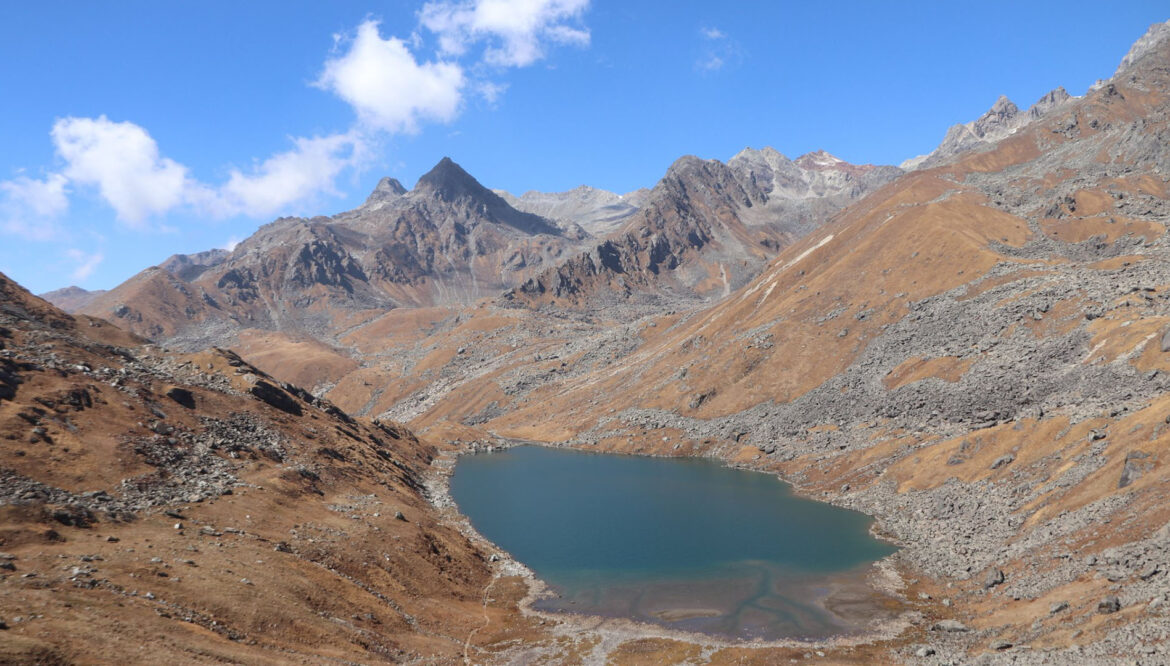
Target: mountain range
[973,348]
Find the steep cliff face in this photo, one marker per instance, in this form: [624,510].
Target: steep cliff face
[707,228]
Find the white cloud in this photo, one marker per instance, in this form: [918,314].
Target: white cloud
[490,91]
[132,176]
[710,63]
[86,262]
[388,88]
[231,243]
[309,169]
[515,29]
[717,51]
[123,161]
[29,207]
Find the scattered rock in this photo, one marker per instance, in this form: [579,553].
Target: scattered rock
[1000,645]
[1002,461]
[1058,607]
[1133,469]
[994,577]
[182,397]
[276,397]
[949,626]
[1110,604]
[925,652]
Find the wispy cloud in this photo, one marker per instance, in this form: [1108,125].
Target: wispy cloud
[309,169]
[29,207]
[717,51]
[123,162]
[491,91]
[515,31]
[85,263]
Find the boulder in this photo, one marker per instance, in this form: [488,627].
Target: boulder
[1002,461]
[949,626]
[181,396]
[1110,604]
[276,397]
[994,577]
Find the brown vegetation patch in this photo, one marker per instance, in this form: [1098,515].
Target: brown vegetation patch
[947,368]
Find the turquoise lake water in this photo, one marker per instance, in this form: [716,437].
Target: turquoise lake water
[684,543]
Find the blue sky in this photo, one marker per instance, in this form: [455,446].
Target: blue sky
[135,130]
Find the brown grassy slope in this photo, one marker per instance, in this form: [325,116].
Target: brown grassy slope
[210,526]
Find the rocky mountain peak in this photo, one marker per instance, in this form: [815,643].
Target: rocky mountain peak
[818,160]
[386,190]
[999,115]
[1048,102]
[72,298]
[1157,33]
[190,266]
[1000,121]
[449,182]
[767,154]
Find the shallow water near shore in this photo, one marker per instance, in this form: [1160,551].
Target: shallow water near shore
[684,543]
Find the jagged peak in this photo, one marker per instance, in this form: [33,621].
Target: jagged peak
[389,186]
[686,162]
[1004,104]
[818,159]
[766,153]
[1049,101]
[1058,95]
[387,189]
[450,181]
[1156,34]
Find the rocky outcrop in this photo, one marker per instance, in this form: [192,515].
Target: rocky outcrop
[1002,120]
[190,266]
[707,228]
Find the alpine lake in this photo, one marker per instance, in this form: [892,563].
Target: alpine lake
[686,544]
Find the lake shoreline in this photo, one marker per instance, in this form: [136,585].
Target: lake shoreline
[882,578]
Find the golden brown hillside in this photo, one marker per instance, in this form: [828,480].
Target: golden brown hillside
[162,508]
[977,354]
